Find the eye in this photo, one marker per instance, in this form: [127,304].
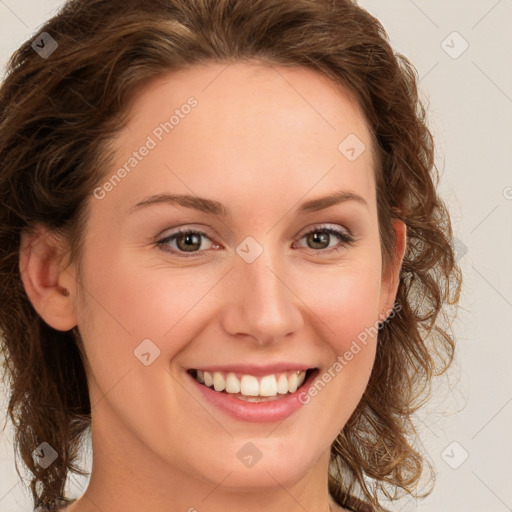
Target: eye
[319,238]
[187,241]
[190,241]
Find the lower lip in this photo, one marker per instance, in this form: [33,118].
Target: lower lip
[256,412]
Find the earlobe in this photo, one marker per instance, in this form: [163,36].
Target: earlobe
[391,276]
[49,286]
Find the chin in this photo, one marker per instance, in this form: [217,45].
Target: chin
[263,479]
[281,469]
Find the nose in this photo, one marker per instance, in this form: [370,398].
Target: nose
[261,302]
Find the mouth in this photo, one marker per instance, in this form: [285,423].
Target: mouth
[252,388]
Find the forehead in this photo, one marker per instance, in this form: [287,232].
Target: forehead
[252,127]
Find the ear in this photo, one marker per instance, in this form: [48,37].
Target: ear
[391,273]
[50,287]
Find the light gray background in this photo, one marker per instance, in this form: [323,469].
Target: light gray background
[471,117]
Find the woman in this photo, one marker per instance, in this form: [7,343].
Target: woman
[223,253]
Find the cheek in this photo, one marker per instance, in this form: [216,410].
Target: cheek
[343,302]
[126,304]
[136,301]
[344,308]
[129,303]
[121,311]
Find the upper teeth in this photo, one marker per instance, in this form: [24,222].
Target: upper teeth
[249,385]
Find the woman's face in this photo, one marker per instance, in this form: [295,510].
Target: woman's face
[248,291]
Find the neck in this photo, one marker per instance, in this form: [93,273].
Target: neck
[128,477]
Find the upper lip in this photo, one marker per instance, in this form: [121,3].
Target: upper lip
[256,370]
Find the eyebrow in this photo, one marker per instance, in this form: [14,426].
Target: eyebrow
[216,208]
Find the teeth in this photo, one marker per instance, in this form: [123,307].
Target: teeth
[282,384]
[232,384]
[292,383]
[218,381]
[268,386]
[257,399]
[251,386]
[208,379]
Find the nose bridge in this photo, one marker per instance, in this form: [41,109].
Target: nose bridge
[265,307]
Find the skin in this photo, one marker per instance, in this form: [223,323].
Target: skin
[261,141]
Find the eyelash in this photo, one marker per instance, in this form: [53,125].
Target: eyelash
[346,240]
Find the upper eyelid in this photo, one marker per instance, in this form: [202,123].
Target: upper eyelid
[327,226]
[305,231]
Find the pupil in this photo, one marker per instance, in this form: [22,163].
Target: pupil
[191,240]
[319,237]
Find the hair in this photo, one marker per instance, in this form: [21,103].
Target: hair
[58,117]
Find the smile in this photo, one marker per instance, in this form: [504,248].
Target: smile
[250,387]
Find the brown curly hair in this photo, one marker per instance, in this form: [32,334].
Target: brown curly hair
[57,117]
